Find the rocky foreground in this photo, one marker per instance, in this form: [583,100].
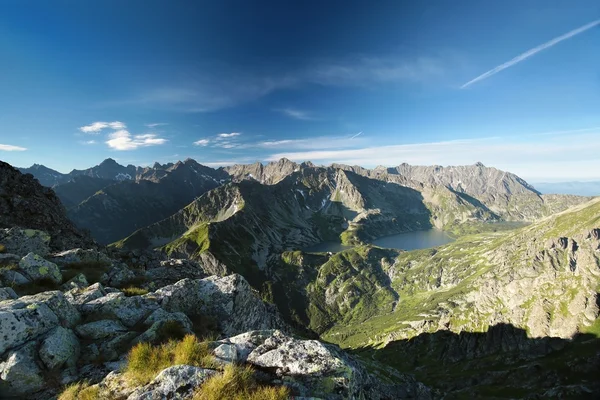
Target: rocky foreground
[82,332]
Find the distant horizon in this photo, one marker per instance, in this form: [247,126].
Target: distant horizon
[530,180]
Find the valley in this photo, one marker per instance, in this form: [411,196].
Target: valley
[390,265]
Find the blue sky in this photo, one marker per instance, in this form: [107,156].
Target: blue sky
[374,83]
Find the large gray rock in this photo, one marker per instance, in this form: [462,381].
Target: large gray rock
[78,297]
[178,382]
[36,268]
[23,241]
[129,310]
[19,373]
[230,300]
[100,329]
[118,275]
[21,322]
[67,314]
[60,347]
[80,256]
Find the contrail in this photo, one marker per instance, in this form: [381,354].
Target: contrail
[532,52]
[358,134]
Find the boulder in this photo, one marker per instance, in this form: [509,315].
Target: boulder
[118,275]
[19,373]
[21,322]
[23,241]
[36,268]
[129,310]
[78,297]
[79,281]
[296,357]
[178,382]
[7,293]
[80,256]
[60,347]
[100,329]
[67,314]
[238,348]
[229,300]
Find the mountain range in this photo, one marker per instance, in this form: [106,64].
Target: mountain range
[112,201]
[510,309]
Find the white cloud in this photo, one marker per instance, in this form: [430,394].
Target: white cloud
[154,125]
[222,136]
[8,147]
[532,52]
[296,114]
[313,143]
[553,158]
[202,142]
[96,127]
[88,142]
[123,140]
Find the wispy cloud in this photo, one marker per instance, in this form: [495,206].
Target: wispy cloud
[155,124]
[8,147]
[222,136]
[96,127]
[123,140]
[356,135]
[532,52]
[296,114]
[88,142]
[215,90]
[202,142]
[312,143]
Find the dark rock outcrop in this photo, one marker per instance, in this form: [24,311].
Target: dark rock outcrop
[25,203]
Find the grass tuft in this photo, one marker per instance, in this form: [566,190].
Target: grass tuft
[2,249]
[145,361]
[80,391]
[238,383]
[134,291]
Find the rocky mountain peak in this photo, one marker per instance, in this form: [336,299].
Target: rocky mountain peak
[109,162]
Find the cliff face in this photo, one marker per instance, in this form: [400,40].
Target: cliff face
[27,204]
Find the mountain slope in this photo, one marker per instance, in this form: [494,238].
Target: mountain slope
[79,188]
[24,202]
[119,209]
